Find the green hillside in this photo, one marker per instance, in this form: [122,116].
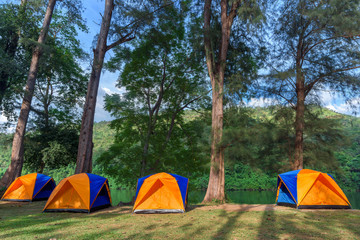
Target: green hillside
[103,138]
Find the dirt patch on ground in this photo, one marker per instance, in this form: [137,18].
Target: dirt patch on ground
[13,203]
[128,209]
[114,210]
[256,207]
[244,207]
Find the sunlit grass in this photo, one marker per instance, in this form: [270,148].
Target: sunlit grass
[25,221]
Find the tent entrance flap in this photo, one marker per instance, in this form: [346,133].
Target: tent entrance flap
[102,198]
[45,191]
[285,196]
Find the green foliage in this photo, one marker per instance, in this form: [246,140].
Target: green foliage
[61,172]
[59,69]
[242,176]
[17,26]
[237,177]
[5,151]
[51,148]
[161,79]
[317,40]
[103,137]
[61,81]
[247,166]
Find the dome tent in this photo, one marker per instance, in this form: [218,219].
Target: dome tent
[84,192]
[161,193]
[309,189]
[30,187]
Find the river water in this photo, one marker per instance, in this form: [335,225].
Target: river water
[248,197]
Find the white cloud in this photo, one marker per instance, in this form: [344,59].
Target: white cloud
[337,103]
[2,119]
[326,97]
[107,91]
[9,129]
[345,107]
[100,113]
[261,102]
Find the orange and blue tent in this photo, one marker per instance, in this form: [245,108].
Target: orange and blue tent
[161,193]
[309,189]
[30,187]
[84,192]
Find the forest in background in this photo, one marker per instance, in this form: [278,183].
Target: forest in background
[240,173]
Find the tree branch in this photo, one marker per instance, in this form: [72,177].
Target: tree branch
[121,40]
[311,85]
[323,40]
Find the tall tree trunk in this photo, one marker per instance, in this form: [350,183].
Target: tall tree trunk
[84,156]
[17,154]
[299,121]
[216,185]
[145,154]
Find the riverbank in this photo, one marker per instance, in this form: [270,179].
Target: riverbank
[228,221]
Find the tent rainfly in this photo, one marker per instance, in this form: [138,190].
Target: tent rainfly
[161,193]
[82,192]
[30,187]
[309,189]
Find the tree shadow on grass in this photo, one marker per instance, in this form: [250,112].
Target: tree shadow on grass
[353,225]
[228,227]
[267,228]
[110,212]
[333,223]
[192,207]
[19,220]
[224,231]
[300,224]
[33,226]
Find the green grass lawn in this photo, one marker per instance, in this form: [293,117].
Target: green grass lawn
[25,221]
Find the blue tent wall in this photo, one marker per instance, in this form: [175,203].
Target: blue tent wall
[284,196]
[97,195]
[102,198]
[290,180]
[44,185]
[183,185]
[46,191]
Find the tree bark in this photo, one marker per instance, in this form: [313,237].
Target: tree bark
[84,156]
[17,154]
[299,120]
[216,185]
